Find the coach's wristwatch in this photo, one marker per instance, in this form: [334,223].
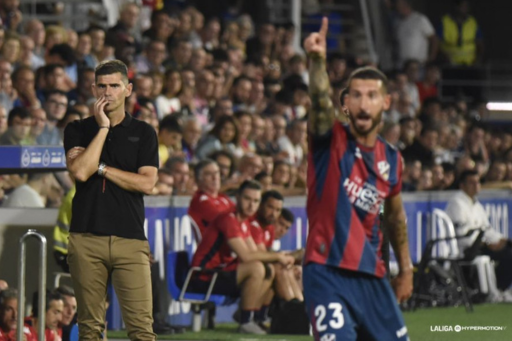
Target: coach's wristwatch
[102,169]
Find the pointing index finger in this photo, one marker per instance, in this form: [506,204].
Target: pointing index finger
[324,27]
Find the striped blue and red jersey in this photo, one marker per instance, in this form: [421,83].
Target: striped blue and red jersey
[347,183]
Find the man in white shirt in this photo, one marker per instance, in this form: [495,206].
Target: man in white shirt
[415,35]
[33,194]
[291,143]
[467,214]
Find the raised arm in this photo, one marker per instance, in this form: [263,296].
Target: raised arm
[86,163]
[321,116]
[395,222]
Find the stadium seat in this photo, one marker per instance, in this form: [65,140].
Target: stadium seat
[439,279]
[179,274]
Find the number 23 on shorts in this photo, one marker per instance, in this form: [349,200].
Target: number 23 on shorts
[332,313]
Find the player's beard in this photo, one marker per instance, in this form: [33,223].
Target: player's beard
[362,114]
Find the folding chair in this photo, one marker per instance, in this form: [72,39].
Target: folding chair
[179,274]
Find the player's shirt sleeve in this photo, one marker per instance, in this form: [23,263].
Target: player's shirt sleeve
[229,226]
[256,233]
[396,188]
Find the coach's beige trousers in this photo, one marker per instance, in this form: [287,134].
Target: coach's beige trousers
[91,260]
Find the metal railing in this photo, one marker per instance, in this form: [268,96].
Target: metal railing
[42,285]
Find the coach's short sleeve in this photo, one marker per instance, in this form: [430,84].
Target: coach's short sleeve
[73,135]
[148,148]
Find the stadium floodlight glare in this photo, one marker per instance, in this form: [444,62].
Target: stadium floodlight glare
[499,106]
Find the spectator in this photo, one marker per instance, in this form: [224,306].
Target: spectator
[428,86]
[191,135]
[425,180]
[9,317]
[153,57]
[11,48]
[54,78]
[226,162]
[336,67]
[34,193]
[55,106]
[210,34]
[411,175]
[126,27]
[265,180]
[423,148]
[475,143]
[204,93]
[64,55]
[242,264]
[83,54]
[168,102]
[53,315]
[224,135]
[412,70]
[250,164]
[281,174]
[223,107]
[180,172]
[165,183]
[468,214]
[460,36]
[27,56]
[69,311]
[169,138]
[162,27]
[143,85]
[241,93]
[391,133]
[7,92]
[19,123]
[83,92]
[207,203]
[3,121]
[38,124]
[34,28]
[415,35]
[97,43]
[23,80]
[291,143]
[244,121]
[263,43]
[181,52]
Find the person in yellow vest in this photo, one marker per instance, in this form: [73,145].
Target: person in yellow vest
[61,231]
[460,36]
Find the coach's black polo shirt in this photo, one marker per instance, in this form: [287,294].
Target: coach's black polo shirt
[100,206]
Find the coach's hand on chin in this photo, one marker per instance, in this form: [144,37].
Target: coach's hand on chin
[402,285]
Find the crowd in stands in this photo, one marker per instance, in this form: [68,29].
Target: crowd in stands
[235,91]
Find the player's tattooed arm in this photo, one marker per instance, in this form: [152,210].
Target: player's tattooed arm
[321,116]
[395,222]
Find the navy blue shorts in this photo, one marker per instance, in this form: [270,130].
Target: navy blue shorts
[346,305]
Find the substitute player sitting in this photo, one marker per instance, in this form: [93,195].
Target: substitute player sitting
[351,171]
[227,245]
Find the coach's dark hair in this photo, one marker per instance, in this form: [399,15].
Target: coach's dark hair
[369,72]
[110,67]
[200,166]
[287,215]
[50,296]
[249,184]
[466,174]
[271,194]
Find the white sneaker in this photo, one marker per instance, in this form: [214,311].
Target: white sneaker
[251,328]
[494,298]
[506,296]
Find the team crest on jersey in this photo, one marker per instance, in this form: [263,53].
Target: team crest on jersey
[383,167]
[328,337]
[358,153]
